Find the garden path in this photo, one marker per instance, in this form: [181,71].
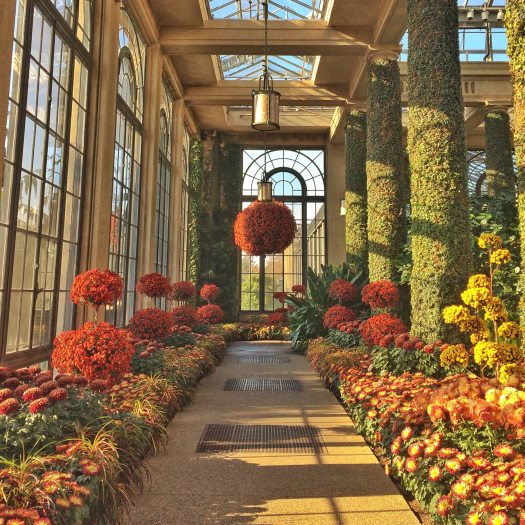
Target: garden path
[340,484]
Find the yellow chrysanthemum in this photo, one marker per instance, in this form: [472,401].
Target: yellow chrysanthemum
[479,281]
[476,297]
[486,353]
[509,330]
[454,354]
[495,310]
[455,313]
[512,374]
[489,241]
[477,337]
[500,257]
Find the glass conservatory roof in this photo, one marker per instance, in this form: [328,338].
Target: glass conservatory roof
[278,9]
[481,3]
[250,67]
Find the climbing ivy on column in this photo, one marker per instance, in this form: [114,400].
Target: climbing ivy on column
[515,23]
[384,169]
[356,201]
[441,241]
[194,212]
[499,162]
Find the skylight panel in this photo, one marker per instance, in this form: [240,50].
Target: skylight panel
[278,9]
[280,67]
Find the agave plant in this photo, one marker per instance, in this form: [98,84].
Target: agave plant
[306,318]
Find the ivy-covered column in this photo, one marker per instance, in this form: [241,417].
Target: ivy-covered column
[194,214]
[441,242]
[356,201]
[515,23]
[499,162]
[384,168]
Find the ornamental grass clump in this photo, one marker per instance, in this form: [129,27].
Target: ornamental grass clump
[496,340]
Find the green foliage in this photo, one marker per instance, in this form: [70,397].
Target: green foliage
[499,215]
[178,340]
[397,361]
[25,432]
[499,161]
[342,339]
[442,259]
[515,24]
[356,198]
[151,365]
[306,321]
[384,170]
[195,190]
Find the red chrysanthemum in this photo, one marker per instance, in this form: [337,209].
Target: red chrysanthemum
[210,314]
[95,351]
[299,289]
[32,393]
[280,296]
[182,291]
[154,285]
[374,329]
[7,392]
[444,506]
[264,227]
[184,315]
[96,287]
[9,406]
[150,323]
[58,394]
[277,318]
[210,292]
[337,315]
[38,405]
[47,386]
[342,291]
[435,473]
[380,294]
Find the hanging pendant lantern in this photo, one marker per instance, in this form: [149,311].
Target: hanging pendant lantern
[265,100]
[264,192]
[265,108]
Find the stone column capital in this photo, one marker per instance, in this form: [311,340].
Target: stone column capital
[361,105]
[388,53]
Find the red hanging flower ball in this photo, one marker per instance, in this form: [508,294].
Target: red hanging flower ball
[381,294]
[210,292]
[150,323]
[264,227]
[154,285]
[343,291]
[299,289]
[337,315]
[280,296]
[96,287]
[184,315]
[210,314]
[97,351]
[182,291]
[373,330]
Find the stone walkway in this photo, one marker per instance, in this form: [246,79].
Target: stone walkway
[338,484]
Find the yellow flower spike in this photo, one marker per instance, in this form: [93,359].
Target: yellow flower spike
[454,354]
[455,314]
[479,281]
[489,241]
[499,257]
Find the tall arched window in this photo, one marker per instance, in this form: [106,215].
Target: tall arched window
[41,192]
[126,166]
[164,182]
[298,181]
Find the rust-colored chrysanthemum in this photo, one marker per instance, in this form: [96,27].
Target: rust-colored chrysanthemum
[264,227]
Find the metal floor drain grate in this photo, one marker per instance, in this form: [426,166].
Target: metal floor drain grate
[263,385]
[261,359]
[260,438]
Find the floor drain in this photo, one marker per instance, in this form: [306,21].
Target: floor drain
[261,359]
[260,438]
[263,385]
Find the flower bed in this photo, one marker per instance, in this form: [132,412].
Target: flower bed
[455,443]
[82,469]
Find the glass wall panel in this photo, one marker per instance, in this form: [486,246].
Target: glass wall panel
[45,142]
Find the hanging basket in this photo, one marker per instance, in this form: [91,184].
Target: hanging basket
[264,227]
